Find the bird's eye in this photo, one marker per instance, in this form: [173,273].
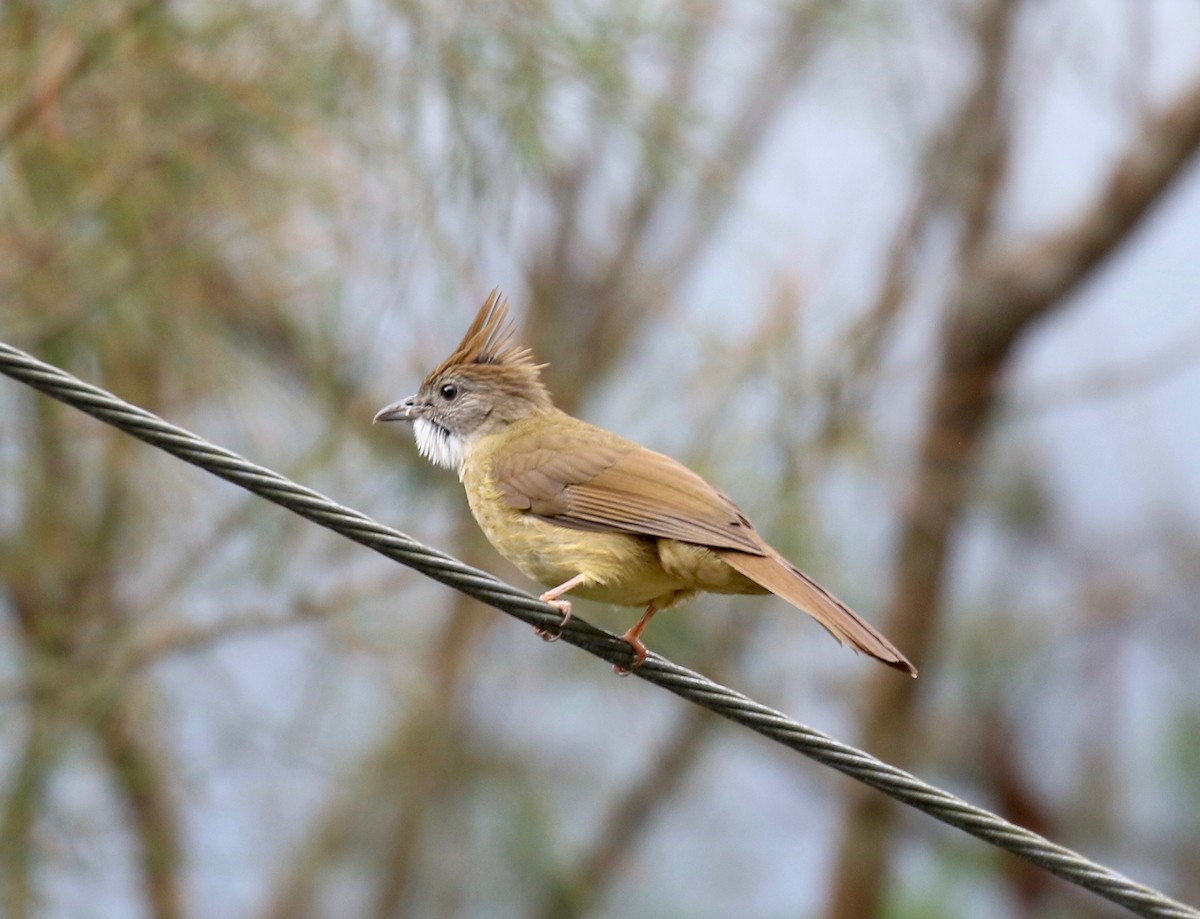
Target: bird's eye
[449,391]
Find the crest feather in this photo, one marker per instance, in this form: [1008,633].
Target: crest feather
[490,343]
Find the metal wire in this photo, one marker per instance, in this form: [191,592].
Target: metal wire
[726,702]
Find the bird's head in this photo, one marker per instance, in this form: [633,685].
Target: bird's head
[487,383]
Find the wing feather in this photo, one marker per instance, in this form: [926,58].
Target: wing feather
[590,479]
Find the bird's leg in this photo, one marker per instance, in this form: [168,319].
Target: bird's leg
[634,640]
[563,606]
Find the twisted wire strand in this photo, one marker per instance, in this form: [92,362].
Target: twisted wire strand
[723,701]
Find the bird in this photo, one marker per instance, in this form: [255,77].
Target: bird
[586,512]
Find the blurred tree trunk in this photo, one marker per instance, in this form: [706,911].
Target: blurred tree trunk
[999,298]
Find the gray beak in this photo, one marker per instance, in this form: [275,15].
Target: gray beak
[397,411]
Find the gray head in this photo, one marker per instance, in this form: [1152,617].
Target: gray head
[487,383]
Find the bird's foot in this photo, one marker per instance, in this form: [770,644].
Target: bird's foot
[564,607]
[639,652]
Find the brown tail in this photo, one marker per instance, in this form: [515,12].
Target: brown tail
[785,580]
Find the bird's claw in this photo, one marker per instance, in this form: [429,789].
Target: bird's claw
[639,655]
[564,607]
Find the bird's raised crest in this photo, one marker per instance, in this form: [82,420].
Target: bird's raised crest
[491,340]
[489,351]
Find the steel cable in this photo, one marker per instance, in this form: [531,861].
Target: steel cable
[726,702]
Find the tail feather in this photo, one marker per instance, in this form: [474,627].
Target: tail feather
[785,580]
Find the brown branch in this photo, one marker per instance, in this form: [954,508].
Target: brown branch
[19,815]
[976,153]
[848,387]
[143,779]
[1013,289]
[965,166]
[1018,802]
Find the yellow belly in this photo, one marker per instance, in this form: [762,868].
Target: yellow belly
[617,568]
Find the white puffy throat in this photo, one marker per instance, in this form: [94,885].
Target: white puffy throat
[439,446]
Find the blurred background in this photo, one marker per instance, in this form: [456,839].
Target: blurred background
[915,282]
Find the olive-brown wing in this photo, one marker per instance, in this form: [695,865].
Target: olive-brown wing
[595,483]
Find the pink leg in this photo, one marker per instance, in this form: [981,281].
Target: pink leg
[633,637]
[563,606]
